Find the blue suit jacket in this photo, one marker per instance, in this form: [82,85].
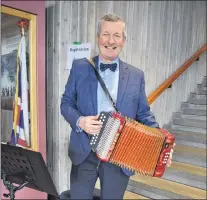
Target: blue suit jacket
[80,99]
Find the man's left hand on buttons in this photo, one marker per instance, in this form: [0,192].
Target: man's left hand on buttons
[90,124]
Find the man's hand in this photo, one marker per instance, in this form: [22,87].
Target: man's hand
[90,124]
[169,161]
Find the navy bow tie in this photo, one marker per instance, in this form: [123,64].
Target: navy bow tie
[112,67]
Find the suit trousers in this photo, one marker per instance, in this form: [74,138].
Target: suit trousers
[113,181]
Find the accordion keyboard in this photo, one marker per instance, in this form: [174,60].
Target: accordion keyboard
[107,138]
[103,142]
[103,117]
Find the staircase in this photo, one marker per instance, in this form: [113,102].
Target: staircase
[186,178]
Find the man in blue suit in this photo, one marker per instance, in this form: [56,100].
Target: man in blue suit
[83,100]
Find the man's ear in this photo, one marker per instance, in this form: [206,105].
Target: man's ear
[124,42]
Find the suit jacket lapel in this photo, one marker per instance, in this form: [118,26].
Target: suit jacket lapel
[94,84]
[123,80]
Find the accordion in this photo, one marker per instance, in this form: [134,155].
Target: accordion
[132,145]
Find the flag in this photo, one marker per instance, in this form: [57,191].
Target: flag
[21,131]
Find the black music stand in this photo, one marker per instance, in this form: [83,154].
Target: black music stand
[25,168]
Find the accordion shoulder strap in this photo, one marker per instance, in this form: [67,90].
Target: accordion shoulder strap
[102,84]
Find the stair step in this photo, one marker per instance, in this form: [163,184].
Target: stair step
[197,140]
[193,169]
[196,117]
[131,195]
[192,106]
[198,101]
[185,178]
[191,144]
[190,155]
[204,82]
[185,128]
[202,92]
[201,89]
[190,150]
[198,106]
[127,194]
[184,105]
[194,111]
[190,160]
[151,191]
[189,122]
[166,188]
[188,116]
[197,96]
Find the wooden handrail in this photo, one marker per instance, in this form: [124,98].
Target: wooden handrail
[157,92]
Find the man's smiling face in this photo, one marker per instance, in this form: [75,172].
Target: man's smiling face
[110,40]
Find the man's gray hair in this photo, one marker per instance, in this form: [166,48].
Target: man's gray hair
[111,18]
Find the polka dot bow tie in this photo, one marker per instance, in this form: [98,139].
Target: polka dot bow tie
[112,67]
